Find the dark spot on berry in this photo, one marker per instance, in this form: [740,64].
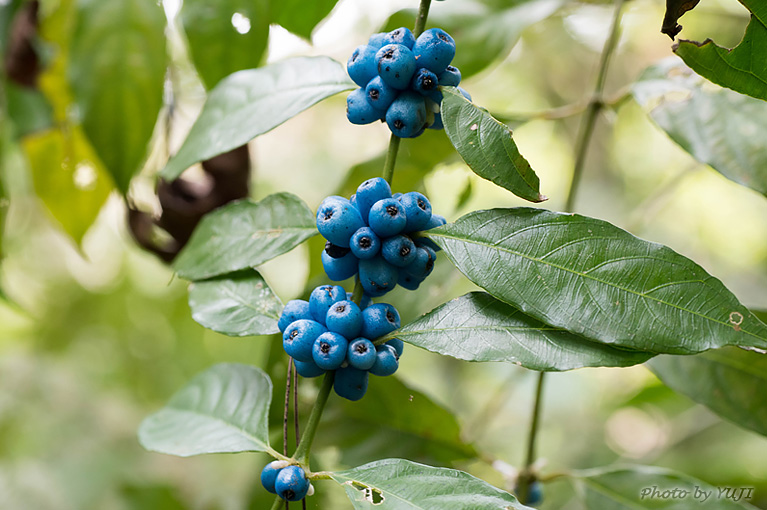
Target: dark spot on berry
[390,315]
[396,75]
[361,348]
[366,243]
[404,251]
[398,124]
[355,55]
[397,34]
[293,334]
[328,290]
[388,54]
[443,37]
[328,214]
[428,83]
[374,95]
[421,204]
[340,308]
[429,264]
[335,251]
[288,495]
[452,69]
[388,69]
[324,347]
[392,210]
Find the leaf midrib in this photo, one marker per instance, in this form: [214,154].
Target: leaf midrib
[250,437]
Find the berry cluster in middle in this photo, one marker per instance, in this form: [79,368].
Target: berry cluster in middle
[375,234]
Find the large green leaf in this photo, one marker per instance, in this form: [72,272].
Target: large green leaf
[68,178]
[222,410]
[730,381]
[718,127]
[217,46]
[117,70]
[237,304]
[245,234]
[251,102]
[596,280]
[393,420]
[397,484]
[487,146]
[299,16]
[637,487]
[478,327]
[743,68]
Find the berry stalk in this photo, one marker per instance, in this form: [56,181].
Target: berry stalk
[305,446]
[391,158]
[420,20]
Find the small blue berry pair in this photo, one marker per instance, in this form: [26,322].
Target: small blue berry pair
[331,332]
[399,78]
[287,481]
[376,234]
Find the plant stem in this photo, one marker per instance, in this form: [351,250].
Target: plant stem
[287,408]
[305,446]
[595,106]
[526,477]
[277,503]
[358,290]
[391,158]
[420,20]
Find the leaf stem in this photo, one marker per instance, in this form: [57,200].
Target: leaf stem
[277,503]
[526,476]
[420,20]
[391,158]
[596,104]
[305,446]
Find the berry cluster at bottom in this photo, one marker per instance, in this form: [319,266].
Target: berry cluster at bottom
[332,332]
[287,481]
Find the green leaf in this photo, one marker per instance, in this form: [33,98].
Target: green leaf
[718,127]
[743,68]
[622,488]
[393,420]
[478,327]
[299,16]
[27,109]
[68,178]
[245,234]
[731,381]
[217,47]
[397,484]
[222,410]
[237,304]
[487,146]
[117,71]
[251,102]
[598,281]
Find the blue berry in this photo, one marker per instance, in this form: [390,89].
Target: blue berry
[417,211]
[308,369]
[423,264]
[329,350]
[322,298]
[387,361]
[376,41]
[337,220]
[424,82]
[451,77]
[437,124]
[377,276]
[401,36]
[464,93]
[387,217]
[435,221]
[361,354]
[339,269]
[370,192]
[379,94]
[434,49]
[398,345]
[334,251]
[398,250]
[408,281]
[378,320]
[298,338]
[291,483]
[345,318]
[534,494]
[365,244]
[396,65]
[269,474]
[359,110]
[362,65]
[293,311]
[406,116]
[351,383]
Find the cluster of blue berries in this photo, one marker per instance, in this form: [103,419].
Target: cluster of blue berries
[332,332]
[399,78]
[287,481]
[375,234]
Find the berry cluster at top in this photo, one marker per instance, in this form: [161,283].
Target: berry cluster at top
[375,234]
[332,332]
[287,481]
[399,78]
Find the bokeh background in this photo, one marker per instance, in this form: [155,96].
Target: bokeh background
[95,337]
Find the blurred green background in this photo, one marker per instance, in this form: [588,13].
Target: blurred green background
[93,338]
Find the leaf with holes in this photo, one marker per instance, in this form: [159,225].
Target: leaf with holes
[245,234]
[637,487]
[487,146]
[478,327]
[718,127]
[236,304]
[222,410]
[397,484]
[732,382]
[251,102]
[598,281]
